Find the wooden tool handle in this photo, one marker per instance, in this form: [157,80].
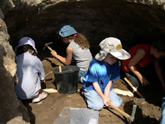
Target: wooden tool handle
[120,111]
[139,94]
[129,83]
[50,48]
[60,69]
[133,87]
[48,73]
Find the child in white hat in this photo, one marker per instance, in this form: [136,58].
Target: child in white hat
[103,70]
[30,72]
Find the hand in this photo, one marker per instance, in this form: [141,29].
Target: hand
[144,81]
[54,53]
[105,100]
[43,81]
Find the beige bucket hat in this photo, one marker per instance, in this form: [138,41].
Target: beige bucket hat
[114,47]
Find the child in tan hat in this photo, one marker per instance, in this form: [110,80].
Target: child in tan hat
[103,70]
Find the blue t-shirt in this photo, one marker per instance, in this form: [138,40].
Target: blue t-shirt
[101,73]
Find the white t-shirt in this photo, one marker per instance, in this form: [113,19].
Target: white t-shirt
[82,56]
[30,72]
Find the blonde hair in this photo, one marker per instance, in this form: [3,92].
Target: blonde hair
[82,41]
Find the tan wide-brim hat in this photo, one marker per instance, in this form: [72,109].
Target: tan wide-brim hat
[114,47]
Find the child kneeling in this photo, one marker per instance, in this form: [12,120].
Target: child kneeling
[30,72]
[97,83]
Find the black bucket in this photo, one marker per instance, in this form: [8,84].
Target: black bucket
[66,81]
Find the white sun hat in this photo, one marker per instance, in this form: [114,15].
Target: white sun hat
[24,41]
[114,47]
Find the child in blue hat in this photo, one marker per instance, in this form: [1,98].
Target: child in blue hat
[30,71]
[78,48]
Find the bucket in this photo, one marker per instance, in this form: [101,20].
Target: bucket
[66,81]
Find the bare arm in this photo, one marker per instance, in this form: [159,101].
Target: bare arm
[64,60]
[138,56]
[100,93]
[159,72]
[107,89]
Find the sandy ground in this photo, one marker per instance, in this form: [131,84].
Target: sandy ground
[47,111]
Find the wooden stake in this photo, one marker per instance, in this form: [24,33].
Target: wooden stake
[60,69]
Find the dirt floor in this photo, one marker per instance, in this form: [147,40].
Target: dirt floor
[47,111]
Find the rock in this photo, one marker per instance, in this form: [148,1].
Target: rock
[10,106]
[17,120]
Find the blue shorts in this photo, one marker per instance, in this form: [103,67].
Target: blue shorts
[95,102]
[162,118]
[81,74]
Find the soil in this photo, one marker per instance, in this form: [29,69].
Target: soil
[47,111]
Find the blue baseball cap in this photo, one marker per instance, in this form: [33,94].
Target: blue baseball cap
[67,30]
[24,41]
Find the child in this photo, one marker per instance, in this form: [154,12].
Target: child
[97,83]
[162,118]
[141,56]
[30,72]
[78,48]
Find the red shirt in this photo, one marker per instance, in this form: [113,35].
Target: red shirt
[145,61]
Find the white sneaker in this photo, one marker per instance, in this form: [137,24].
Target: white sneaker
[40,97]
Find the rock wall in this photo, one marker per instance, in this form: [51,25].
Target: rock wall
[7,5]
[150,2]
[10,106]
[130,22]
